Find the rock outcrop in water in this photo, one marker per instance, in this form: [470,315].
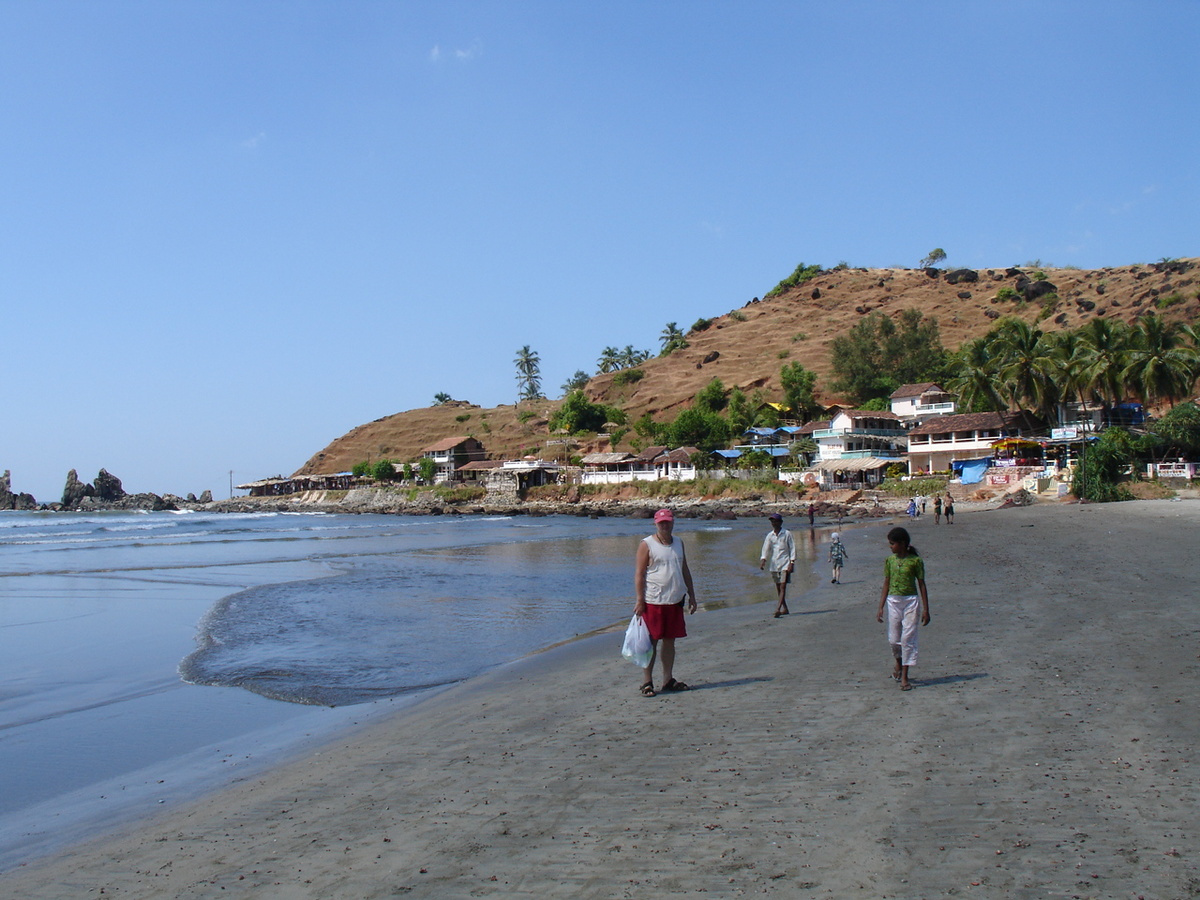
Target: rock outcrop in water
[105,493]
[9,500]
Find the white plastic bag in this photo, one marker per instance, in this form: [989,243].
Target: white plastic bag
[637,647]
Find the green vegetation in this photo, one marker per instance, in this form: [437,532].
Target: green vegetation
[441,398]
[738,316]
[933,258]
[577,414]
[1006,294]
[798,390]
[462,417]
[672,339]
[1168,301]
[529,378]
[879,354]
[576,382]
[925,486]
[627,377]
[712,397]
[427,469]
[1018,365]
[800,274]
[700,325]
[384,470]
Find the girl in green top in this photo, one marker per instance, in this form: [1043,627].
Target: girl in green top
[905,599]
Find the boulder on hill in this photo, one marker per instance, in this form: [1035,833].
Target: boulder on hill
[1032,290]
[969,276]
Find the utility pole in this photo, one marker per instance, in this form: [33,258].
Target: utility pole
[231,484]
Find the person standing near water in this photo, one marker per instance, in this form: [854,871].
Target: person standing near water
[837,557]
[779,551]
[661,579]
[905,600]
[937,509]
[948,508]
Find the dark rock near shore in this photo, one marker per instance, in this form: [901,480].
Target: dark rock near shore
[75,491]
[106,493]
[9,500]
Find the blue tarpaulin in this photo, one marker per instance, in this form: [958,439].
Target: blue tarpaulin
[971,470]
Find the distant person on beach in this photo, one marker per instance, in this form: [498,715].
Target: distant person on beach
[924,500]
[948,508]
[905,600]
[937,509]
[812,512]
[661,579]
[778,557]
[837,557]
[912,507]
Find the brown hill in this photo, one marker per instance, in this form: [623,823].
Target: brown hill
[747,347]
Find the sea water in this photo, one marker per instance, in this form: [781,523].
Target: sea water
[146,655]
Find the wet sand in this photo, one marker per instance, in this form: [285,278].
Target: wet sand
[1049,750]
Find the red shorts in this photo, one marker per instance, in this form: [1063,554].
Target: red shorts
[665,621]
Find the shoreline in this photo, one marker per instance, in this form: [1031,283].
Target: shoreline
[1047,750]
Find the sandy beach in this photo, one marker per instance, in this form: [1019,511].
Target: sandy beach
[1049,750]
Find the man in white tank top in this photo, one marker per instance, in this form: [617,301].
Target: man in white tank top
[661,581]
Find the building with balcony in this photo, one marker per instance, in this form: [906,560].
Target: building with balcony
[934,445]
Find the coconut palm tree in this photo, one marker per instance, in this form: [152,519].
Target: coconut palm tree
[671,338]
[974,376]
[1026,368]
[1159,366]
[609,361]
[1066,357]
[1105,344]
[529,377]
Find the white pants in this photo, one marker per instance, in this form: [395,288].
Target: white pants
[903,619]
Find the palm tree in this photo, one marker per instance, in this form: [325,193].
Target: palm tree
[671,338]
[610,360]
[529,376]
[1158,366]
[441,397]
[1066,357]
[630,357]
[1105,344]
[1026,369]
[975,377]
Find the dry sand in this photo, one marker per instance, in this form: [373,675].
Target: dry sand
[1049,750]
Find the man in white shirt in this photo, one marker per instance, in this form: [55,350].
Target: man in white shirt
[779,550]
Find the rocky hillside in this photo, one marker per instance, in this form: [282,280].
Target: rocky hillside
[747,347]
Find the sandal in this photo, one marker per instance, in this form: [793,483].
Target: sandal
[674,685]
[648,690]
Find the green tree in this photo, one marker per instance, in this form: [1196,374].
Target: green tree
[1027,369]
[529,376]
[441,398]
[798,384]
[933,258]
[1103,467]
[975,376]
[1105,348]
[693,427]
[427,469]
[1159,367]
[1179,430]
[756,459]
[672,339]
[879,354]
[576,382]
[383,470]
[651,431]
[577,414]
[609,361]
[739,412]
[630,357]
[711,397]
[800,274]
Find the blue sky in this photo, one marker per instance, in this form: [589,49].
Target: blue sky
[233,231]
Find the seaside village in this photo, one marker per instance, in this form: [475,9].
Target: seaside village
[848,450]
